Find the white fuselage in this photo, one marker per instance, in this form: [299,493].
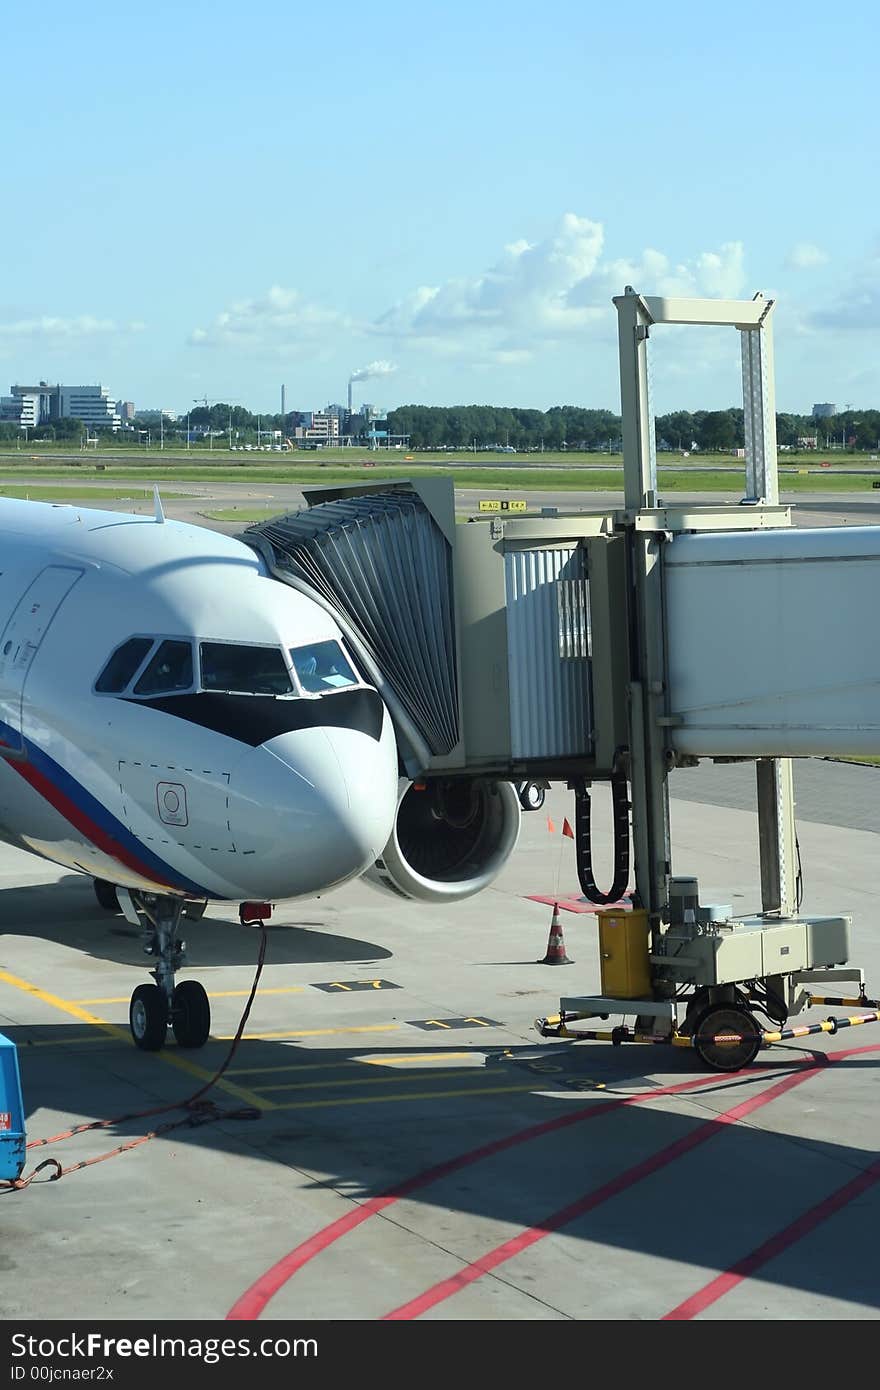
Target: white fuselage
[203,792]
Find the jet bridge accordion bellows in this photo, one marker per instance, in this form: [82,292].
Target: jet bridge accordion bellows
[381,562]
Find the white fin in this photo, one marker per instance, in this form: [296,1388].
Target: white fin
[157,504]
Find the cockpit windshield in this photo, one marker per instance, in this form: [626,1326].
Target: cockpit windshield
[170,669]
[244,670]
[122,665]
[322,667]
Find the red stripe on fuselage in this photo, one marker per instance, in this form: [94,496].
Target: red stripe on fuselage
[81,822]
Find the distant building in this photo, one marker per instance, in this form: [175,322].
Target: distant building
[152,417]
[29,406]
[823,409]
[91,404]
[808,441]
[125,410]
[321,428]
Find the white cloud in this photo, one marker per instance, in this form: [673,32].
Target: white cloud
[280,320]
[50,330]
[524,294]
[540,293]
[805,256]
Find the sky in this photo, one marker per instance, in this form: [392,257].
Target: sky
[208,200]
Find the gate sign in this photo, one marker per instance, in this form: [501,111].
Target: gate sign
[493,504]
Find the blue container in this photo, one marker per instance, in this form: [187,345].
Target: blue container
[12,1138]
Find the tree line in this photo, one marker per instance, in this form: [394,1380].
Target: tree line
[574,428]
[478,427]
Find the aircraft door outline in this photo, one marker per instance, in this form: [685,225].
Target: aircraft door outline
[20,641]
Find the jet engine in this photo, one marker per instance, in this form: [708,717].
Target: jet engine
[451,838]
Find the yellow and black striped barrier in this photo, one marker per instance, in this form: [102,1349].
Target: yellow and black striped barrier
[828,1025]
[557,1026]
[861,1003]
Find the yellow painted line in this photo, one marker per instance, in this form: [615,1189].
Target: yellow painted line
[353,1061]
[66,1006]
[414,1095]
[173,1059]
[218,994]
[316,1032]
[361,1080]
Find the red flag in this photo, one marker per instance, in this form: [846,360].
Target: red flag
[566,829]
[550,826]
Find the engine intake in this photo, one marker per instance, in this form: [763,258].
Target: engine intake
[451,838]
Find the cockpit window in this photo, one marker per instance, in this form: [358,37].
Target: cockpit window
[244,670]
[122,665]
[322,666]
[170,669]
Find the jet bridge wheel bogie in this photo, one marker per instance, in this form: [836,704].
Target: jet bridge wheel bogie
[105,892]
[190,1014]
[531,796]
[723,1021]
[148,1018]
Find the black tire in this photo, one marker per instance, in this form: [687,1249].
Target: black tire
[190,1014]
[148,1018]
[531,796]
[106,894]
[726,1019]
[194,911]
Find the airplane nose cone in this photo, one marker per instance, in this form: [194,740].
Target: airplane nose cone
[312,808]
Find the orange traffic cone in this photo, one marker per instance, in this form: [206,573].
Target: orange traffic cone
[555,944]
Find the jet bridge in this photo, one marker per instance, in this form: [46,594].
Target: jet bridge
[619,645]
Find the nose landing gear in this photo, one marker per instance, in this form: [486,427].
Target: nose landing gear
[153,1007]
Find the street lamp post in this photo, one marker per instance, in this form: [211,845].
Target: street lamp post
[187,431]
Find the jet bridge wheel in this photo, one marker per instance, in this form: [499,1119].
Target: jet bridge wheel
[148,1018]
[720,1020]
[190,1014]
[531,796]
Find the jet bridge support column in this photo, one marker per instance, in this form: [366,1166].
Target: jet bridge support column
[648,713]
[775,783]
[648,767]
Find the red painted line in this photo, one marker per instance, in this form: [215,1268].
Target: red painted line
[252,1302]
[746,1267]
[447,1287]
[486,1263]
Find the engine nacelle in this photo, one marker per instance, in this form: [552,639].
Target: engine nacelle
[451,838]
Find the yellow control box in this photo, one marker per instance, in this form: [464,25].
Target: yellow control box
[623,954]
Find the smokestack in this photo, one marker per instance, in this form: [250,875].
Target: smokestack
[283,412]
[349,399]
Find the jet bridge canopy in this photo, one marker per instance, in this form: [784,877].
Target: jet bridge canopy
[499,647]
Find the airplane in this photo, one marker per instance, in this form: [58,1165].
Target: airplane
[185,729]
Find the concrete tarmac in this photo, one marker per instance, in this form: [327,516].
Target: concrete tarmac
[420,1152]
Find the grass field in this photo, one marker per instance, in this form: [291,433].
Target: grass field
[592,479]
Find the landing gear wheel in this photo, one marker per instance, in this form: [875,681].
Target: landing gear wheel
[190,1014]
[531,796]
[721,1020]
[194,911]
[148,1018]
[106,894]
